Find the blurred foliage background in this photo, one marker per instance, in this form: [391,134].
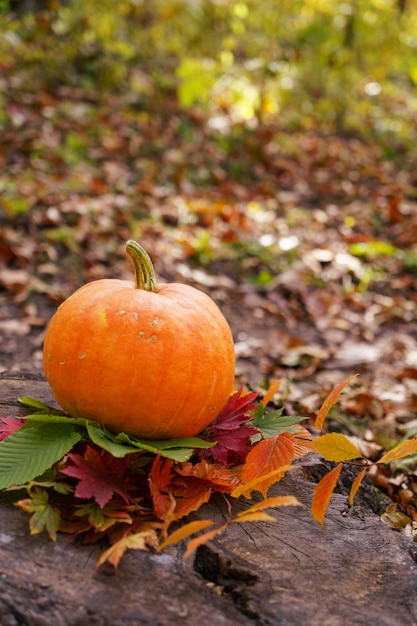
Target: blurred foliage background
[348,66]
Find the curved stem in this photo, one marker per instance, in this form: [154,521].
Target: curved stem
[144,272]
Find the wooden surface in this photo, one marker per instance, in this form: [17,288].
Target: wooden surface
[356,572]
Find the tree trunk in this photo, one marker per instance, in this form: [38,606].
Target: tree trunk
[288,573]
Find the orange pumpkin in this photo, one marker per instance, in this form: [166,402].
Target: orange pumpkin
[154,361]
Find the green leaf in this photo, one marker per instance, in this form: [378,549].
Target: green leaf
[274,423]
[58,418]
[171,449]
[36,404]
[118,445]
[30,451]
[121,444]
[106,440]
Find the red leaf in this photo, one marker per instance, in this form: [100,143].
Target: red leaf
[228,429]
[323,492]
[237,411]
[9,425]
[98,476]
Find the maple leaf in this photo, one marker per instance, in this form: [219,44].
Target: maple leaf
[142,538]
[230,430]
[9,425]
[44,516]
[99,476]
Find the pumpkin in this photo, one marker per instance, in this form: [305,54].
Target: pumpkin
[153,361]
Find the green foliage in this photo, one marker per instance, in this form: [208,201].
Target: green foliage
[48,435]
[27,453]
[347,65]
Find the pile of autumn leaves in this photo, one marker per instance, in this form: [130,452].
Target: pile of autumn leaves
[134,501]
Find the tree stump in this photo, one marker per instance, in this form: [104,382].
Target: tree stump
[288,573]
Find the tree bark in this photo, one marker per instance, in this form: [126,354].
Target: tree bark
[287,573]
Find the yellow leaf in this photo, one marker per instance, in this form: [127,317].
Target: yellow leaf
[323,492]
[273,388]
[356,484]
[330,401]
[336,447]
[193,544]
[400,451]
[184,532]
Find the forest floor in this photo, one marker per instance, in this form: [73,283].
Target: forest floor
[307,242]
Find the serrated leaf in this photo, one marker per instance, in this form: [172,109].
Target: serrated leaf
[28,452]
[403,449]
[330,400]
[356,484]
[323,492]
[56,418]
[180,449]
[266,456]
[336,447]
[274,423]
[106,441]
[34,404]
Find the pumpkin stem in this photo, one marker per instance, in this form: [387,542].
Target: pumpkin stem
[144,272]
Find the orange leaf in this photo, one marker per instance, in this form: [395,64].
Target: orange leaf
[329,402]
[323,492]
[270,503]
[336,447]
[262,483]
[254,516]
[400,451]
[184,532]
[134,541]
[273,388]
[268,455]
[356,484]
[202,539]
